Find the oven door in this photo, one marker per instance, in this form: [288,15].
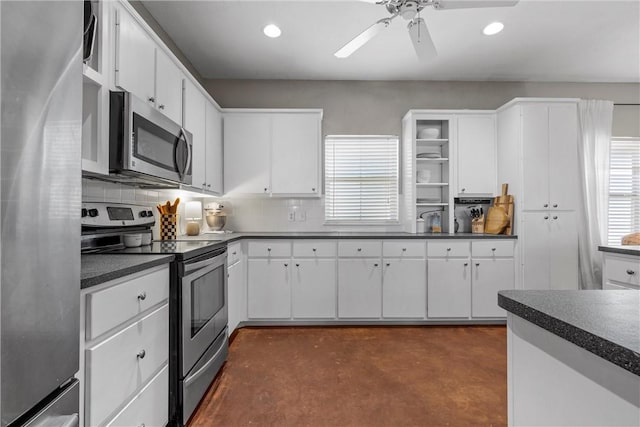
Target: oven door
[204,306]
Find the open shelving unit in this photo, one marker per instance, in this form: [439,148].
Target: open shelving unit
[428,178]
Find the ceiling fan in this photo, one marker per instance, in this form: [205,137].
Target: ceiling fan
[410,10]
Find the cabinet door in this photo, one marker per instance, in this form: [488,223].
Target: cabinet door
[535,153]
[194,122]
[314,289]
[247,153]
[214,149]
[564,185]
[269,289]
[359,288]
[168,87]
[535,250]
[448,288]
[404,288]
[490,275]
[295,153]
[234,295]
[563,251]
[135,58]
[476,154]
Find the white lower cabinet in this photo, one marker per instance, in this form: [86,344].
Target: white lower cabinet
[449,282]
[124,347]
[314,288]
[359,288]
[620,271]
[269,288]
[490,276]
[404,288]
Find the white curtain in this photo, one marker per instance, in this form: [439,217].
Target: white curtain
[596,119]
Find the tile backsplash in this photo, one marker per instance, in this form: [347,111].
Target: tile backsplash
[262,214]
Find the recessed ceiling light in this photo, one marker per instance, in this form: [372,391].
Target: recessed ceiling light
[272,31]
[493,28]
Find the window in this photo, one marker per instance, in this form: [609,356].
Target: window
[624,189]
[361,179]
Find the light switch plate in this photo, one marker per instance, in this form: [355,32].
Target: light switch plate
[291,215]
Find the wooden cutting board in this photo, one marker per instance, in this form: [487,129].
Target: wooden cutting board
[505,201]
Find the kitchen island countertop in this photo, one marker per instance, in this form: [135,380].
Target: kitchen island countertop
[605,323]
[100,268]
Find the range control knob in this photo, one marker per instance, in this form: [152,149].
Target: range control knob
[93,213]
[143,214]
[84,212]
[149,214]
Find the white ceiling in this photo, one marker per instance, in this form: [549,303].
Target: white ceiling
[577,40]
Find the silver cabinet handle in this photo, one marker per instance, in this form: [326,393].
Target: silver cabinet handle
[555,217]
[269,249]
[493,249]
[161,106]
[466,264]
[204,184]
[388,264]
[265,189]
[359,249]
[631,272]
[141,354]
[462,190]
[286,265]
[448,249]
[404,249]
[555,205]
[546,217]
[477,264]
[142,296]
[546,205]
[314,249]
[297,265]
[151,99]
[233,253]
[313,189]
[208,185]
[375,265]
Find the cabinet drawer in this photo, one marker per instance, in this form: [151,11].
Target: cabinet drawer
[270,248]
[448,248]
[404,248]
[359,248]
[234,252]
[314,248]
[491,248]
[149,407]
[622,270]
[120,365]
[113,306]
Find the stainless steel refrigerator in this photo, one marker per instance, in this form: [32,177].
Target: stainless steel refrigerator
[40,194]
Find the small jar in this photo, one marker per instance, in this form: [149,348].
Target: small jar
[420,226]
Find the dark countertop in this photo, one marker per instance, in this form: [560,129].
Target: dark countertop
[606,323]
[619,249]
[100,268]
[230,237]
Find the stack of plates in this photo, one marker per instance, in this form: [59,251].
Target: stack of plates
[428,156]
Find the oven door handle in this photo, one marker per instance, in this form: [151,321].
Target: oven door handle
[216,261]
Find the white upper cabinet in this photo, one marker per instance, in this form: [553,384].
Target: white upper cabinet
[168,87]
[295,151]
[144,69]
[272,152]
[195,122]
[135,58]
[476,154]
[550,154]
[247,153]
[213,149]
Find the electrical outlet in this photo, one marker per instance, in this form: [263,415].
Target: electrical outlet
[292,214]
[301,216]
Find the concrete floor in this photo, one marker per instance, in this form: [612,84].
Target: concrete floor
[361,376]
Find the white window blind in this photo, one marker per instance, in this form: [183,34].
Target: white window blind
[624,189]
[361,179]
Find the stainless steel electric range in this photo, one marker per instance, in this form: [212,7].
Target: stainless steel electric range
[198,335]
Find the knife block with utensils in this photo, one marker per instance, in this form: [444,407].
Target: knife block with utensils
[477,225]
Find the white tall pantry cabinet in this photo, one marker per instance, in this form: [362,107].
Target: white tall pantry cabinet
[538,157]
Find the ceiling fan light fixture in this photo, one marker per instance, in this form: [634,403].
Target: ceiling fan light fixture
[272,31]
[493,28]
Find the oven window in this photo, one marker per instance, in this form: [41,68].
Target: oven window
[207,298]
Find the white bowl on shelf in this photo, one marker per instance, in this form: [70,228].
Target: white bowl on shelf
[430,132]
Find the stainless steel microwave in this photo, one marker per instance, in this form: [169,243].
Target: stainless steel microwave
[145,146]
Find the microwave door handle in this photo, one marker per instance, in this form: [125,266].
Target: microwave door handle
[189,151]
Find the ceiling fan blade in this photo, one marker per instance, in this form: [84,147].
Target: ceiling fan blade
[362,38]
[469,4]
[422,42]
